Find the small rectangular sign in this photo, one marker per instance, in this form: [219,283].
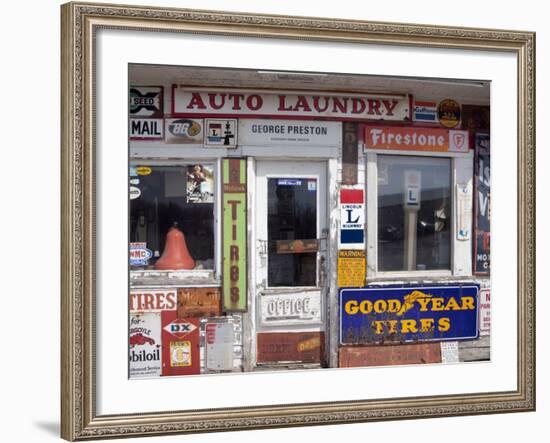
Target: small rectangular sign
[234,234]
[146,128]
[352,268]
[292,347]
[279,133]
[184,131]
[180,344]
[484,312]
[425,111]
[145,353]
[412,138]
[297,246]
[300,308]
[449,352]
[199,302]
[219,339]
[220,133]
[352,219]
[375,315]
[463,211]
[389,355]
[146,101]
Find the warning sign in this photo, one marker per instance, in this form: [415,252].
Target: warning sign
[352,268]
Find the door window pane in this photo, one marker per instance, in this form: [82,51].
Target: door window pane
[291,215]
[414,213]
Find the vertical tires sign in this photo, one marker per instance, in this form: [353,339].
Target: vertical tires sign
[234,234]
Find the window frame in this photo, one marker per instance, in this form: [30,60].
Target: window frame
[184,277]
[462,171]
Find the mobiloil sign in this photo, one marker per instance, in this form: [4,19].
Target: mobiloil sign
[374,315]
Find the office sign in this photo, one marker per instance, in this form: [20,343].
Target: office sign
[482,168]
[290,133]
[375,315]
[413,138]
[234,234]
[300,308]
[220,102]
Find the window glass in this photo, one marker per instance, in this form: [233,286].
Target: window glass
[292,215]
[165,197]
[414,213]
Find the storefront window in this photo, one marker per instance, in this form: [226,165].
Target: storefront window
[165,197]
[414,213]
[292,215]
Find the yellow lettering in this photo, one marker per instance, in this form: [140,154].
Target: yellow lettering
[378,326]
[468,303]
[437,304]
[394,305]
[452,305]
[365,307]
[408,326]
[392,326]
[423,302]
[444,324]
[380,306]
[351,307]
[426,324]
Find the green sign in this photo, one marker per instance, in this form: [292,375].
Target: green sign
[234,234]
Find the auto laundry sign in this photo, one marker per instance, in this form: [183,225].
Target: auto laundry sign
[195,102]
[416,139]
[375,315]
[288,132]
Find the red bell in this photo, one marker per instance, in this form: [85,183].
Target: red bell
[175,254]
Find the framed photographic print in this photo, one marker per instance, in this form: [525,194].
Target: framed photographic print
[308,212]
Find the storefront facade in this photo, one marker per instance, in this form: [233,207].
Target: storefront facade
[281,228]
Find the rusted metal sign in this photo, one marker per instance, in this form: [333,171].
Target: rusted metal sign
[279,347]
[290,308]
[199,302]
[375,315]
[409,354]
[297,246]
[234,234]
[219,340]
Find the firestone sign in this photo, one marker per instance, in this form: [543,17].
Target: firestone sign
[194,102]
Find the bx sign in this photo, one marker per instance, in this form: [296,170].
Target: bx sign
[374,315]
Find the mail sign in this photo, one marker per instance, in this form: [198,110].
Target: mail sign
[375,315]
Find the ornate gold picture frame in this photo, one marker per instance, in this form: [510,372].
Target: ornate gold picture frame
[80,24]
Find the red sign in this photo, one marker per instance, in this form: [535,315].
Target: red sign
[303,347]
[153,300]
[180,345]
[410,354]
[416,139]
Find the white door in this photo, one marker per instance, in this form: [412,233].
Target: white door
[291,242]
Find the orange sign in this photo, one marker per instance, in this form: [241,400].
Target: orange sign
[416,139]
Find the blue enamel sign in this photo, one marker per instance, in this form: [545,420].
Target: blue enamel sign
[375,315]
